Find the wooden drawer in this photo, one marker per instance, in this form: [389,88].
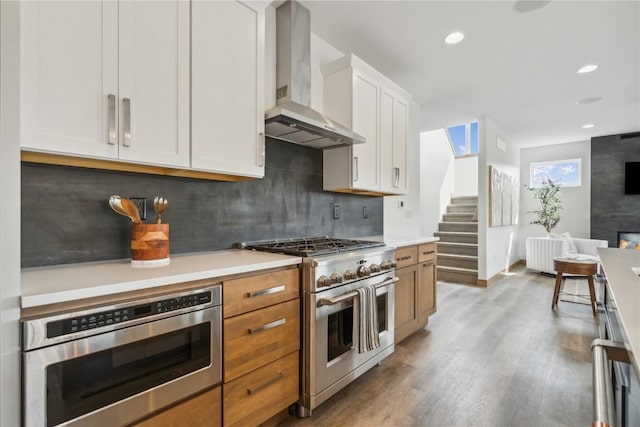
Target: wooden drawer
[254,292]
[406,256]
[259,395]
[262,336]
[427,252]
[205,409]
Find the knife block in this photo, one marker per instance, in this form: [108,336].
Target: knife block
[149,245]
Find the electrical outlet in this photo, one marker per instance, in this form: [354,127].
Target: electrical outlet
[336,211]
[400,204]
[141,204]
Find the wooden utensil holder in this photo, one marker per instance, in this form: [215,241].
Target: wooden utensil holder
[149,245]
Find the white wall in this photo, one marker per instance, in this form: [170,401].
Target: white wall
[405,221]
[437,177]
[9,215]
[497,246]
[575,216]
[466,176]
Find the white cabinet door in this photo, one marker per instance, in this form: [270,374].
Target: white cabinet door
[393,142]
[227,82]
[153,99]
[400,132]
[68,64]
[365,102]
[106,79]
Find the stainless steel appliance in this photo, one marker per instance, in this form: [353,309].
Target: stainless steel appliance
[292,119]
[110,365]
[333,271]
[615,382]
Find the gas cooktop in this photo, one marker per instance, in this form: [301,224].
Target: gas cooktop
[310,246]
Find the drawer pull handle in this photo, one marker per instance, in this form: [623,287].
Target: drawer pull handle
[265,385]
[404,258]
[126,132]
[112,133]
[266,291]
[428,252]
[268,326]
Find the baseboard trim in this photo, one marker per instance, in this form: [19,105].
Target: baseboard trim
[484,283]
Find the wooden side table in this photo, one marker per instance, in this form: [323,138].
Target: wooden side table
[574,266]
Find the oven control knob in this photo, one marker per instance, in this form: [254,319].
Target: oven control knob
[375,268]
[393,264]
[334,278]
[350,275]
[324,281]
[363,271]
[385,265]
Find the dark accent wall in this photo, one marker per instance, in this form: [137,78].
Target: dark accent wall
[611,209]
[66,217]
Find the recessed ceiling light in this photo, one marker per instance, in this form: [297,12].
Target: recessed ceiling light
[526,6]
[454,38]
[588,126]
[587,69]
[589,100]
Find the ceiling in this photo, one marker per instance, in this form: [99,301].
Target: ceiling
[518,69]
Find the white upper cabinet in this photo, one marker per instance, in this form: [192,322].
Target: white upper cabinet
[227,81]
[106,80]
[357,96]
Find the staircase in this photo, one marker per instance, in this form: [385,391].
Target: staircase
[458,245]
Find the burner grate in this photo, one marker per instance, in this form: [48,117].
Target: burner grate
[311,246]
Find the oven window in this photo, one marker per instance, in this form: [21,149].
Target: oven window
[78,386]
[381,301]
[340,333]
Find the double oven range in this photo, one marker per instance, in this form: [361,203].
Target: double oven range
[333,272]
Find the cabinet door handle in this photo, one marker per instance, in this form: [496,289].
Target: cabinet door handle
[268,326]
[267,291]
[404,258]
[355,168]
[396,179]
[112,133]
[126,131]
[266,384]
[260,151]
[428,252]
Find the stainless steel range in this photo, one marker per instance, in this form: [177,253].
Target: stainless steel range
[348,310]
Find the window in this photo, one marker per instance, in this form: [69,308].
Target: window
[464,139]
[565,173]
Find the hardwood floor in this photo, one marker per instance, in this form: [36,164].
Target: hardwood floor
[496,356]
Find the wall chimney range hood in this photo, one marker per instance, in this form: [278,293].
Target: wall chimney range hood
[292,119]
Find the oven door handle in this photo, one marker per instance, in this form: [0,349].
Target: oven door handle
[349,295]
[603,404]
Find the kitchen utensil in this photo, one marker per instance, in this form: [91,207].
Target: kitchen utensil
[116,204]
[132,210]
[160,204]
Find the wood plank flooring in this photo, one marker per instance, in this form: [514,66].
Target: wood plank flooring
[496,356]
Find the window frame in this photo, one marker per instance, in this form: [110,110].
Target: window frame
[577,161]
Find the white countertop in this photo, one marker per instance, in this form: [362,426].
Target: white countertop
[49,285]
[400,241]
[625,287]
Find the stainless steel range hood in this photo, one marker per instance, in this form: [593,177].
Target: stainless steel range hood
[292,119]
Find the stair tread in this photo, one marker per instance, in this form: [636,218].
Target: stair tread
[457,233]
[459,244]
[457,269]
[458,256]
[457,222]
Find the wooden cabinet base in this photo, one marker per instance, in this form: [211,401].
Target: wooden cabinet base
[204,409]
[415,295]
[261,394]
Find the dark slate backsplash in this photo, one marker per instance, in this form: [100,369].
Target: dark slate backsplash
[66,217]
[611,209]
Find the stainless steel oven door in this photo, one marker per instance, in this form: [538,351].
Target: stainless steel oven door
[116,377]
[334,352]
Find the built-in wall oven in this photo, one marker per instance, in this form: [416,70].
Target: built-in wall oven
[348,284]
[111,365]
